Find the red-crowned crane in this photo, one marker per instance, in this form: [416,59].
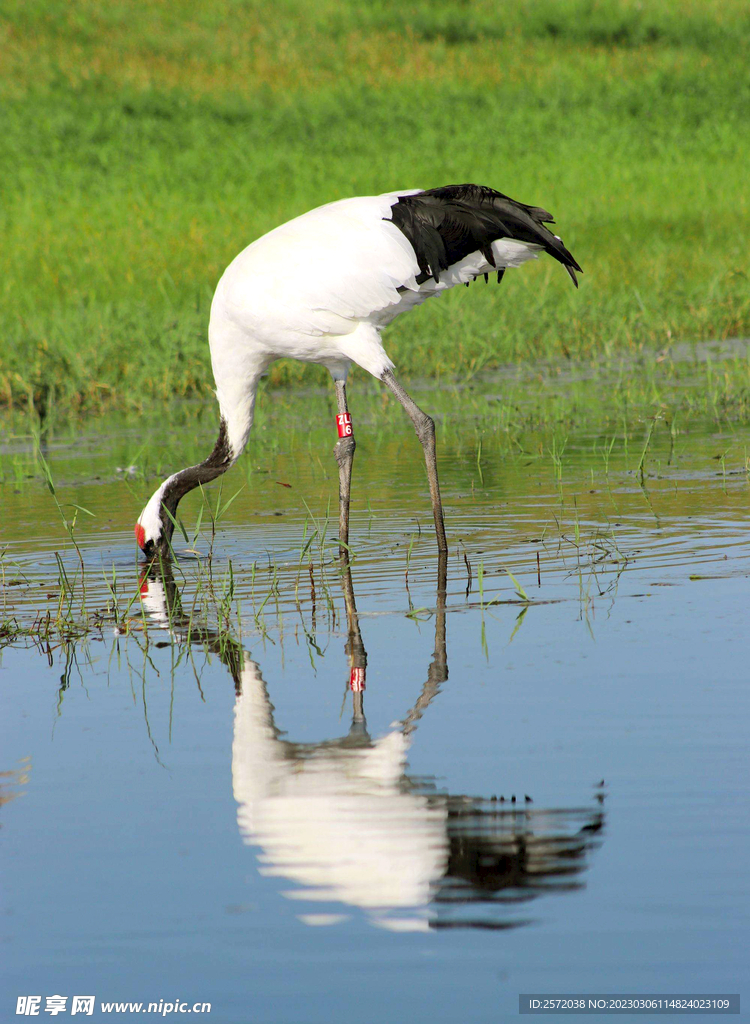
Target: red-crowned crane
[322,287]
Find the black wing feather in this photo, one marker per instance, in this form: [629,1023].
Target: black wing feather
[444,225]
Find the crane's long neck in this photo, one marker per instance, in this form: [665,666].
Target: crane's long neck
[156,523]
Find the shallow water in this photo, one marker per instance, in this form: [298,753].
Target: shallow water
[301,797]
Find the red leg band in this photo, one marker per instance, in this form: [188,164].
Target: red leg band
[357,680]
[344,424]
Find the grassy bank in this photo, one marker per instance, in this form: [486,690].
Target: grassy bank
[145,144]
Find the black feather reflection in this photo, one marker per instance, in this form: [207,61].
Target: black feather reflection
[503,857]
[343,822]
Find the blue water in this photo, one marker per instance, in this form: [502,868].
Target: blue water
[236,826]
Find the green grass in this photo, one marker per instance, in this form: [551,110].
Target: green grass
[144,144]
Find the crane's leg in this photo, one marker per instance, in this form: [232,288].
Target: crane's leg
[425,428]
[344,452]
[355,648]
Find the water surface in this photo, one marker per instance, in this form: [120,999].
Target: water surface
[301,795]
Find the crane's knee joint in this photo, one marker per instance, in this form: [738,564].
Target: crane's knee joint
[425,427]
[344,450]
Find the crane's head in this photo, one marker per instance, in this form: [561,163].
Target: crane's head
[154,528]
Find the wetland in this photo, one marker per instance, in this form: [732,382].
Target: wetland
[301,789]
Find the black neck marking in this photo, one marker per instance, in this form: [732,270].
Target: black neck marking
[218,462]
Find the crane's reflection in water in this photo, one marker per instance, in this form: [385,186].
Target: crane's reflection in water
[345,822]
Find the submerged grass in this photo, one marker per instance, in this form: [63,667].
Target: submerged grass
[145,144]
[532,508]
